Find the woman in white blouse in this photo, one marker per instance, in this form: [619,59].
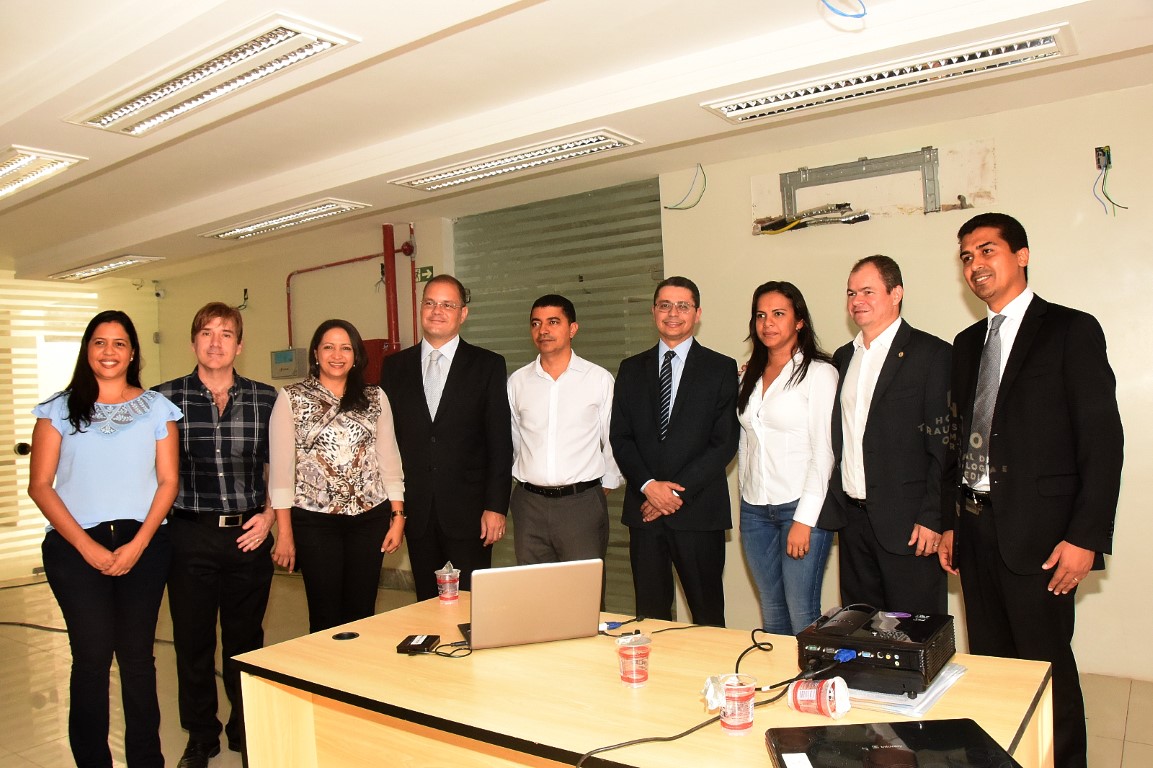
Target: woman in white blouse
[335,479]
[785,457]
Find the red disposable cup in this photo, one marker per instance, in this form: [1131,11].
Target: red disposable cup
[633,659]
[737,711]
[820,697]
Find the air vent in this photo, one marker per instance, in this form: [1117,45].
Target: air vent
[281,220]
[930,69]
[267,49]
[523,159]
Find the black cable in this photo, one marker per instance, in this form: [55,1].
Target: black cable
[758,645]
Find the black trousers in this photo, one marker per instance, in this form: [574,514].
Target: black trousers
[211,577]
[699,557]
[340,558]
[106,616]
[872,575]
[1013,615]
[429,552]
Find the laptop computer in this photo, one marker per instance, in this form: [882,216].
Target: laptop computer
[959,743]
[534,603]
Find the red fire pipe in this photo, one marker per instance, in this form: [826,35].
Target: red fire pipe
[389,257]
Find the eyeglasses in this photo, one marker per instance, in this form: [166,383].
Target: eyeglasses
[430,305]
[680,306]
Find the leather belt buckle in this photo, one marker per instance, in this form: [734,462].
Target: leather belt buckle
[230,521]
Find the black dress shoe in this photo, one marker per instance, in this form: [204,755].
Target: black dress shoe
[236,745]
[197,753]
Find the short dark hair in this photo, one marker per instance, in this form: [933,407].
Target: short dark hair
[676,281]
[890,272]
[213,310]
[1012,232]
[451,281]
[354,398]
[555,300]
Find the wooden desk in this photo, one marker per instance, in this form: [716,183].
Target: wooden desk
[319,702]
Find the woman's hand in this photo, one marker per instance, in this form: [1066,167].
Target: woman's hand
[96,555]
[125,557]
[394,536]
[797,545]
[284,551]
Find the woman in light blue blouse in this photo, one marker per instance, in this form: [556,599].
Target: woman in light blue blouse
[785,457]
[104,472]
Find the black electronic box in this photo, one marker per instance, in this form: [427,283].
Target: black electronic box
[896,652]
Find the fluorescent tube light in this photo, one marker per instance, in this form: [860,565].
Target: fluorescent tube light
[21,167]
[103,268]
[292,217]
[928,69]
[524,159]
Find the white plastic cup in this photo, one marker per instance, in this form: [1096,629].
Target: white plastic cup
[448,585]
[737,710]
[633,659]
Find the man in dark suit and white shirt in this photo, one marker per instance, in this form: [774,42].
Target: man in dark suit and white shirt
[890,429]
[450,411]
[1039,452]
[673,432]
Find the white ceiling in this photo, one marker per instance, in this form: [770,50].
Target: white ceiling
[436,81]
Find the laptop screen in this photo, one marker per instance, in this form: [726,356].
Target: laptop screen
[535,603]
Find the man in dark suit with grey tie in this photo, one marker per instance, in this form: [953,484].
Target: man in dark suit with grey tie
[673,433]
[1039,450]
[890,427]
[451,415]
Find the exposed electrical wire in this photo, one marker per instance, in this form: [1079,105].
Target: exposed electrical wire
[244,304]
[679,205]
[1105,192]
[864,11]
[1096,181]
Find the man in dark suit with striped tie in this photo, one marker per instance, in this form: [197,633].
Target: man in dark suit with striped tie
[673,433]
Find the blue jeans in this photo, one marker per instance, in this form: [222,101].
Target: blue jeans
[790,590]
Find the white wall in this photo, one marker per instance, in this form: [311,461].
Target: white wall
[1080,257]
[348,291]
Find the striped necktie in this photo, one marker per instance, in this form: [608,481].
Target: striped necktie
[666,393]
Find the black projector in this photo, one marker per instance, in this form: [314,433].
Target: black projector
[896,652]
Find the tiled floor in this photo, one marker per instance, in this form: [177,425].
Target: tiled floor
[34,666]
[34,677]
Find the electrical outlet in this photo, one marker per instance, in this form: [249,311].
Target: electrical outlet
[1103,157]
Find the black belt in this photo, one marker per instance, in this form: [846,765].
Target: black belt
[217,519]
[858,503]
[556,491]
[975,501]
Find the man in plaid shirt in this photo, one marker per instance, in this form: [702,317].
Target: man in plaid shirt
[219,526]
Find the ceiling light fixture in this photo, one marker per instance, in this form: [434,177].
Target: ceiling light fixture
[523,159]
[928,69]
[292,217]
[22,167]
[103,268]
[272,47]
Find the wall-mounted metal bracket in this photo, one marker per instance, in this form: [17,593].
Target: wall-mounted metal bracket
[924,161]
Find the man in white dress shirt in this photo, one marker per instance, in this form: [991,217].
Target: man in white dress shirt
[562,460]
[890,435]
